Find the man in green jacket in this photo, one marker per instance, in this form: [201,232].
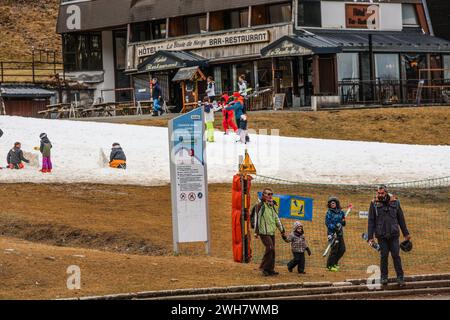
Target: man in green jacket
[266,223]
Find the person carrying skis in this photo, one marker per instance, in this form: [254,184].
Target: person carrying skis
[227,121]
[385,221]
[266,222]
[117,158]
[45,149]
[298,246]
[15,157]
[335,221]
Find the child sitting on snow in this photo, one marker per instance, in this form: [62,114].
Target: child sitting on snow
[15,157]
[298,246]
[117,158]
[45,148]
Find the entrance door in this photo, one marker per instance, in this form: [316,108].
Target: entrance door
[120,51]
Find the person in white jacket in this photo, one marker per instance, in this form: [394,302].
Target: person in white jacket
[211,89]
[210,108]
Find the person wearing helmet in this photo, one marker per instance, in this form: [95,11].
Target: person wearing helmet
[45,149]
[335,221]
[385,221]
[117,158]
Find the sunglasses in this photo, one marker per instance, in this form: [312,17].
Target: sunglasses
[268,194]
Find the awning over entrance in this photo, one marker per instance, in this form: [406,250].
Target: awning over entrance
[408,40]
[166,60]
[189,74]
[300,45]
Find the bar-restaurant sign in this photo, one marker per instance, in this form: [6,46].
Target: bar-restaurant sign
[362,16]
[229,39]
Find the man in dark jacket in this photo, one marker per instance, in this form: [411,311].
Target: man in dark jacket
[117,158]
[156,96]
[385,221]
[15,157]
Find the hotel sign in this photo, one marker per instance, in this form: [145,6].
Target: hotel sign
[287,48]
[204,42]
[362,16]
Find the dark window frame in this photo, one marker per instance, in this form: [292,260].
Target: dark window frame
[311,4]
[86,63]
[151,29]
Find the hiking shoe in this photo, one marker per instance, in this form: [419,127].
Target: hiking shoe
[274,273]
[266,273]
[302,272]
[401,281]
[384,281]
[290,269]
[332,268]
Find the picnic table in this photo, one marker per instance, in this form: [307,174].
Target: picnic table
[58,108]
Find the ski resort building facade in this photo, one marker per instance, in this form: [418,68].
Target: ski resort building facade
[315,52]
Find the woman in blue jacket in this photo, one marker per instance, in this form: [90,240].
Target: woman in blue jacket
[335,221]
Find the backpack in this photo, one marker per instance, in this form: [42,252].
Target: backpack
[253,214]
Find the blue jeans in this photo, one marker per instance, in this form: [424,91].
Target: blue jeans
[156,105]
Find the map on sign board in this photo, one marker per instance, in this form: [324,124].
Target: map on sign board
[188,178]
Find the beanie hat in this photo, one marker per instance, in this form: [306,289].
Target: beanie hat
[297,224]
[115,144]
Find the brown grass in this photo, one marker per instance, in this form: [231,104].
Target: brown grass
[27,23]
[430,125]
[105,224]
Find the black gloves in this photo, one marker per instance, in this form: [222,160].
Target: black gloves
[308,251]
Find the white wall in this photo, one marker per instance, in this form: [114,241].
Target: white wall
[391,16]
[333,15]
[108,68]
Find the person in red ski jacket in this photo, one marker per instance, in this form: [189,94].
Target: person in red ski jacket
[228,115]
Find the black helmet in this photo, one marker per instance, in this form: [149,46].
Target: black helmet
[406,245]
[334,199]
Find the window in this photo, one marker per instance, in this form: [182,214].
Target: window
[271,14]
[279,13]
[181,26]
[82,52]
[146,31]
[230,19]
[195,24]
[447,67]
[309,13]
[387,66]
[409,15]
[348,66]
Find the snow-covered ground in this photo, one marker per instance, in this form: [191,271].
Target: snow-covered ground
[77,147]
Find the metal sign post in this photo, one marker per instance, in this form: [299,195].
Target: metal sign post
[188,179]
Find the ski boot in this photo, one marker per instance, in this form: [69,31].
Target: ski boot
[332,269]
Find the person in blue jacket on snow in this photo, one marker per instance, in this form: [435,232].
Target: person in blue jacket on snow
[335,221]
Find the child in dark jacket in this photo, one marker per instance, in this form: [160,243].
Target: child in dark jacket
[15,157]
[117,158]
[298,246]
[45,149]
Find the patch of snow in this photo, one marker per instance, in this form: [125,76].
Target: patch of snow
[80,148]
